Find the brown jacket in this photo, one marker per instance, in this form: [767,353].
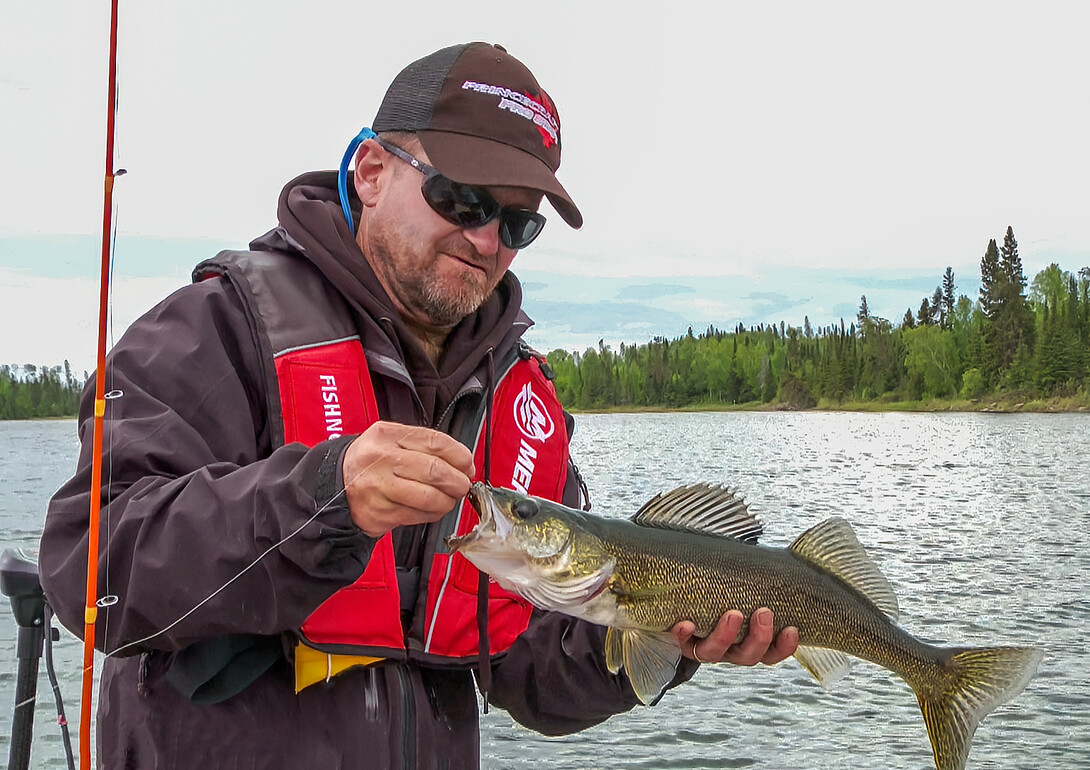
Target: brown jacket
[194,494]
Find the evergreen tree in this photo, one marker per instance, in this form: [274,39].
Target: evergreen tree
[864,311]
[1014,317]
[924,316]
[938,308]
[991,281]
[948,288]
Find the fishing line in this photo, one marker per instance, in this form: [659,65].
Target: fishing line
[110,396]
[244,570]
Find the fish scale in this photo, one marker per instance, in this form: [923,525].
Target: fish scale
[691,554]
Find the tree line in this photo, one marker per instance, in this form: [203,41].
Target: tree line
[1017,339]
[30,391]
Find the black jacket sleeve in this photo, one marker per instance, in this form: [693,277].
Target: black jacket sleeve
[205,531]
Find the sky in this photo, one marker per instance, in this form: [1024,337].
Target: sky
[734,162]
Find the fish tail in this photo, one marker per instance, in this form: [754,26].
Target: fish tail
[966,687]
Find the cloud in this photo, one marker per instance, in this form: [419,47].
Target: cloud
[649,291]
[766,303]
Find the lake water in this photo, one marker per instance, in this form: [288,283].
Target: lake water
[980,521]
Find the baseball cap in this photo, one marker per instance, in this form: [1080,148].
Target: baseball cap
[482,118]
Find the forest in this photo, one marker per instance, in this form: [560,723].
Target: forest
[30,391]
[1018,341]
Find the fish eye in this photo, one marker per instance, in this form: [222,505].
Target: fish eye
[525,509]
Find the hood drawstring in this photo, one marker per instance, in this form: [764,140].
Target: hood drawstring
[484,662]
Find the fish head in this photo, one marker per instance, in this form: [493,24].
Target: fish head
[534,547]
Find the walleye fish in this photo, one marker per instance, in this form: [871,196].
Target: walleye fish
[691,554]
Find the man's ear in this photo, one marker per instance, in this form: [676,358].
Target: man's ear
[368,178]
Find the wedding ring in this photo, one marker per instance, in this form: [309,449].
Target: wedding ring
[697,657]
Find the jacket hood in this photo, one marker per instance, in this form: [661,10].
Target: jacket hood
[312,224]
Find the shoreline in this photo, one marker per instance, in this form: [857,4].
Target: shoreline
[994,405]
[1079,404]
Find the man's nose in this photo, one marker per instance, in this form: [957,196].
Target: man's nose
[486,238]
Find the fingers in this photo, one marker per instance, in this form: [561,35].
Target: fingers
[397,475]
[782,647]
[760,644]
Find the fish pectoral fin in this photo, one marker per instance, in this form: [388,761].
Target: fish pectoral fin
[614,650]
[649,658]
[827,666]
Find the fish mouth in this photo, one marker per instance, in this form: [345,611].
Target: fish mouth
[493,525]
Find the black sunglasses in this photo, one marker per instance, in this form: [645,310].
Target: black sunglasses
[468,206]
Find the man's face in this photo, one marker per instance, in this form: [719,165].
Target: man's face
[435,272]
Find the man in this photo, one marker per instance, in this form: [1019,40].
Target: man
[289,442]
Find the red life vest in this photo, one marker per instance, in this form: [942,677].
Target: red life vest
[326,391]
[320,388]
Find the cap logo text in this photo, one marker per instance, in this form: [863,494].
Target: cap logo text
[539,112]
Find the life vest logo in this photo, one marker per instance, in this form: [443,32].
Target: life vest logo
[531,416]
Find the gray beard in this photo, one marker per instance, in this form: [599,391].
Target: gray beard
[447,310]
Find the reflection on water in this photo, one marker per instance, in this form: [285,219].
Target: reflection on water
[979,521]
[975,519]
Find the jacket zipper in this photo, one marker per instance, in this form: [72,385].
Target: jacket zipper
[408,717]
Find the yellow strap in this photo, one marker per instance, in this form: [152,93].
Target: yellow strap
[313,666]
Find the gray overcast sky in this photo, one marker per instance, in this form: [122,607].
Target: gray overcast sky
[700,138]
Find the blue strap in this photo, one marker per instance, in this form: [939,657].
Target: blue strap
[342,173]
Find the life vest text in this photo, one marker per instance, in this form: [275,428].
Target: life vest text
[331,406]
[523,473]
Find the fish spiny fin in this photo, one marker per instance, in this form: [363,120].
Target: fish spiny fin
[650,659]
[827,666]
[706,509]
[833,546]
[982,679]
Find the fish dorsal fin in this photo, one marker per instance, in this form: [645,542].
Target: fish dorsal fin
[833,546]
[706,509]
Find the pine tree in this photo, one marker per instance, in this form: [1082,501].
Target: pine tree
[949,301]
[924,316]
[991,281]
[1015,318]
[938,308]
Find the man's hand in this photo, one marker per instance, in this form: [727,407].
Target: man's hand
[396,475]
[720,647]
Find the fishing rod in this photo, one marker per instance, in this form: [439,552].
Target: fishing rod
[91,607]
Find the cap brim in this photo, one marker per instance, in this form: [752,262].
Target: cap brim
[473,160]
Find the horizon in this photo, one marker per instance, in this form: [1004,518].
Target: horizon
[571,312]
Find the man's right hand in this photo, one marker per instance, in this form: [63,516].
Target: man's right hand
[396,475]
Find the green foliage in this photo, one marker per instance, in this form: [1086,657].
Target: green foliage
[1033,346]
[972,384]
[30,391]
